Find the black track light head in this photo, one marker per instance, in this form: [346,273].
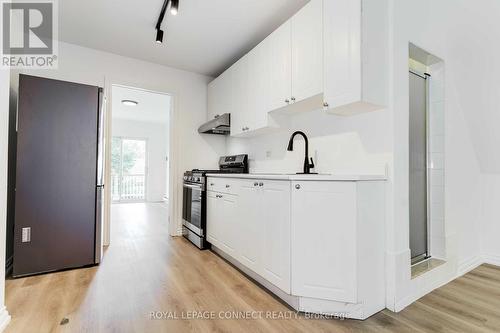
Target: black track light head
[159,36]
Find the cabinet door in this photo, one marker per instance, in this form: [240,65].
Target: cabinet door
[259,86]
[249,207]
[324,257]
[342,52]
[307,51]
[275,217]
[280,69]
[220,95]
[229,226]
[240,113]
[214,219]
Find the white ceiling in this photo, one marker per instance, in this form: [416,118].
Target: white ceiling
[206,37]
[152,107]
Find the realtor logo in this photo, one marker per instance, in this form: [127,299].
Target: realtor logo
[29,34]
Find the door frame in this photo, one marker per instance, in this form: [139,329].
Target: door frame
[175,175]
[146,166]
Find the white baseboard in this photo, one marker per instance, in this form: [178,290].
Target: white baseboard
[491,259]
[4,319]
[467,265]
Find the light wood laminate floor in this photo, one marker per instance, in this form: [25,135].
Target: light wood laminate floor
[145,270]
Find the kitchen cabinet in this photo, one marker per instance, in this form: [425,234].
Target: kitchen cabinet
[319,245]
[330,55]
[222,231]
[219,95]
[280,67]
[324,215]
[262,240]
[307,51]
[274,214]
[250,227]
[241,116]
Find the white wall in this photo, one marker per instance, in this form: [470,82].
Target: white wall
[188,149]
[431,26]
[4,125]
[342,145]
[156,135]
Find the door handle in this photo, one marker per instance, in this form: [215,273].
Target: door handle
[196,187]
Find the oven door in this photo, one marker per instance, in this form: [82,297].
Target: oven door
[192,208]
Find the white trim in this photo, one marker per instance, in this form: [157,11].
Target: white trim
[491,259]
[4,318]
[469,264]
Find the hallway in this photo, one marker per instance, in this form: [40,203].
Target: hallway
[145,270]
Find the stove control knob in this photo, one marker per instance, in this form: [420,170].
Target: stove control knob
[197,179]
[185,177]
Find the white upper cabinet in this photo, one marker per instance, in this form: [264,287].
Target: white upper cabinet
[279,44]
[317,57]
[241,117]
[219,95]
[342,53]
[355,56]
[307,51]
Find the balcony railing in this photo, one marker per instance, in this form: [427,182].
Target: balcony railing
[128,187]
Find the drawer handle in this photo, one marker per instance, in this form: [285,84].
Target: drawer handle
[228,186]
[255,184]
[261,184]
[297,187]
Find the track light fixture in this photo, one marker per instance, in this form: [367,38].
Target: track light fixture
[174,9]
[159,36]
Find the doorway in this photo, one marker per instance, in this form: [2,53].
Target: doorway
[128,169]
[138,156]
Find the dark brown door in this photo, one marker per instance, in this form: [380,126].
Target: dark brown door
[56,175]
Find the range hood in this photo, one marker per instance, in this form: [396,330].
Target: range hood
[220,125]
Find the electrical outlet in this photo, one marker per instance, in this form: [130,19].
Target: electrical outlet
[26,235]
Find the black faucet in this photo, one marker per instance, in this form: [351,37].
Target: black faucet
[307,166]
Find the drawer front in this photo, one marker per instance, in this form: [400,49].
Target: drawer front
[223,185]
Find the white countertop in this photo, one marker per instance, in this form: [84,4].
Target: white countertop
[291,177]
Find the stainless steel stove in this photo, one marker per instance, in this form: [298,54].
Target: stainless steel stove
[194,208]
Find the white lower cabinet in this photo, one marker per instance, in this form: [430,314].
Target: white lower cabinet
[250,225]
[261,213]
[324,258]
[222,231]
[321,243]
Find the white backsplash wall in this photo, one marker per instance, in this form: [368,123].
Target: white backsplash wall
[359,144]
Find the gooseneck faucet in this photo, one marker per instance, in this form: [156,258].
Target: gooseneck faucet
[307,166]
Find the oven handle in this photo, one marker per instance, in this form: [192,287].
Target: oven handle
[196,187]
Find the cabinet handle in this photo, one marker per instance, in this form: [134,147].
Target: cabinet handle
[212,184]
[228,186]
[255,184]
[287,101]
[297,187]
[243,128]
[293,99]
[325,104]
[261,184]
